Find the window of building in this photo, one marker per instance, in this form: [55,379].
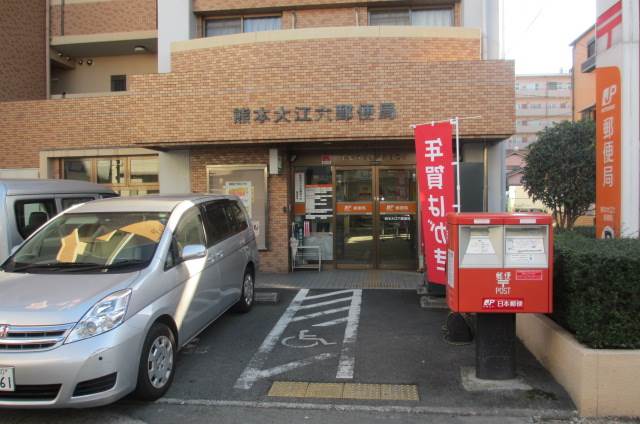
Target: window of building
[118,83]
[588,113]
[249,183]
[215,26]
[591,48]
[77,169]
[126,175]
[414,17]
[552,85]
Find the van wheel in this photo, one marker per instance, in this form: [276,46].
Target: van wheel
[157,363]
[248,292]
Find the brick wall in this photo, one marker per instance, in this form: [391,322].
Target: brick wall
[194,107]
[104,17]
[314,18]
[23,71]
[332,53]
[275,259]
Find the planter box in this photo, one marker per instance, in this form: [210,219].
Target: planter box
[601,382]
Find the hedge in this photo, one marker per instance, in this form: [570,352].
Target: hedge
[597,290]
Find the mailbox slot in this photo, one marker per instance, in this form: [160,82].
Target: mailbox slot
[481,246]
[526,246]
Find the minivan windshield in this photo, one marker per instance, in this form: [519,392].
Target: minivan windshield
[100,242]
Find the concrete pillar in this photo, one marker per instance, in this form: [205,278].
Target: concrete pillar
[175,172]
[486,15]
[496,177]
[176,22]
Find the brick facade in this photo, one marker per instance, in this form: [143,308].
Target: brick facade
[23,72]
[315,18]
[106,16]
[197,107]
[425,74]
[326,53]
[275,259]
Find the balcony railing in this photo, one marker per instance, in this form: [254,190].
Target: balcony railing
[588,65]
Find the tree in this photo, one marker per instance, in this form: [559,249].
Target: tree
[560,170]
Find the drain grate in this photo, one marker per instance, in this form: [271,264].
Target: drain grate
[308,390]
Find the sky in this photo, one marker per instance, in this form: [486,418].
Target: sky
[537,33]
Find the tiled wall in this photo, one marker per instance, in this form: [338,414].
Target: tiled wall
[23,71]
[106,16]
[197,104]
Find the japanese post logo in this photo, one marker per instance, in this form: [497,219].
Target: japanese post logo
[488,303]
[503,279]
[608,94]
[4,330]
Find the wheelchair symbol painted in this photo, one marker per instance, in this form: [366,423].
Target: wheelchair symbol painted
[305,340]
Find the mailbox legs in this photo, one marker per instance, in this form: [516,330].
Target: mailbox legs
[496,346]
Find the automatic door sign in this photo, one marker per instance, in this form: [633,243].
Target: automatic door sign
[305,340]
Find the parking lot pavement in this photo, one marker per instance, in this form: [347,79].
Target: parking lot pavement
[319,353]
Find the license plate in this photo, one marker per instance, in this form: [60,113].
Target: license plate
[7,380]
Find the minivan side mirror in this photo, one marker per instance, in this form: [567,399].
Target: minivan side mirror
[193,251]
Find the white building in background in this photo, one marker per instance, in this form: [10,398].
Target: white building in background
[541,100]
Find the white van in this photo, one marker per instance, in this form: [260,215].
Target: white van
[26,204]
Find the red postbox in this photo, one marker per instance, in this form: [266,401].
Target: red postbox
[500,263]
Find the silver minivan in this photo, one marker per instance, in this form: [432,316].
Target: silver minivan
[26,204]
[96,303]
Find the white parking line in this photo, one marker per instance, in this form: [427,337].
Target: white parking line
[280,369]
[325,303]
[321,313]
[254,370]
[348,356]
[332,322]
[329,294]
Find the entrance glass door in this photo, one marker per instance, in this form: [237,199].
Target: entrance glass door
[397,218]
[354,238]
[376,217]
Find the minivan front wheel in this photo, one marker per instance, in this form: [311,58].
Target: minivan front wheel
[157,363]
[248,293]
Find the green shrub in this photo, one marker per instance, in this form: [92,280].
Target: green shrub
[589,232]
[597,290]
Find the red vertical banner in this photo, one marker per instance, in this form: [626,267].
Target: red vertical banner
[434,157]
[608,152]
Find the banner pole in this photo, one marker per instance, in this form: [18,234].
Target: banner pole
[456,121]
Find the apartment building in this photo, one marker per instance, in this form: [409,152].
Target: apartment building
[301,108]
[541,100]
[584,76]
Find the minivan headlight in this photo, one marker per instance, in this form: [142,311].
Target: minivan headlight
[104,316]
